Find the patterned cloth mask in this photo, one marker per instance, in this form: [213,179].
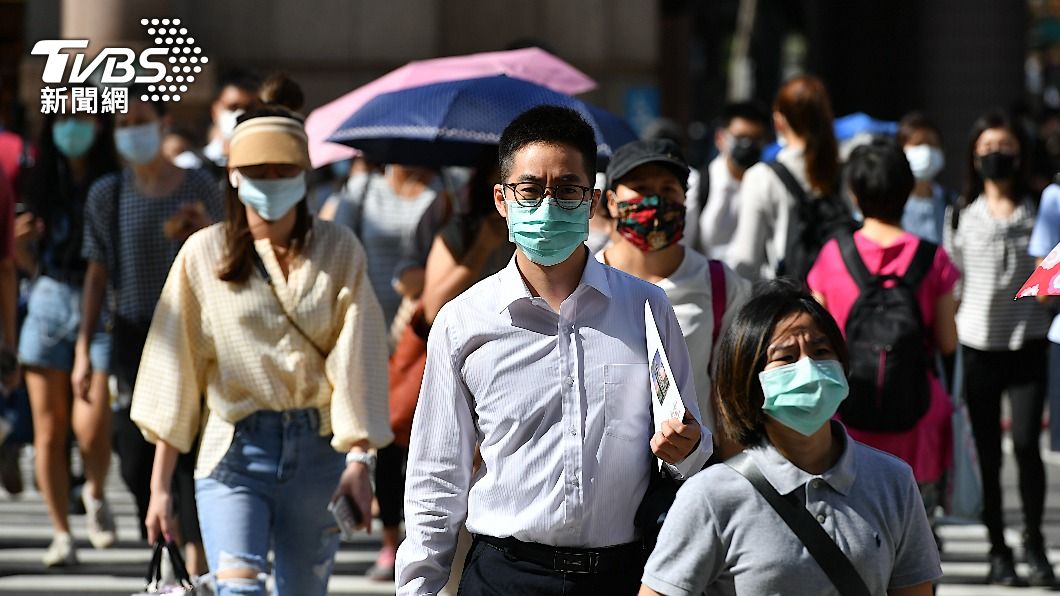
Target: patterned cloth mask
[651,223]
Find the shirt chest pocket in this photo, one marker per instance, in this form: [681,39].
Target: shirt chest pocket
[627,401]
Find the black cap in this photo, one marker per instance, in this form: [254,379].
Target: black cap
[632,155]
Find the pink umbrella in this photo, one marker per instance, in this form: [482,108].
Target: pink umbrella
[530,64]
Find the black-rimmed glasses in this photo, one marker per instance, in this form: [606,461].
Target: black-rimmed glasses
[531,194]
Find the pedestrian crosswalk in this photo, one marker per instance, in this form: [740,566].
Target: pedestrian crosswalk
[25,533]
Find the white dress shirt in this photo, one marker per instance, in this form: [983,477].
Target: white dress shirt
[560,405]
[717,223]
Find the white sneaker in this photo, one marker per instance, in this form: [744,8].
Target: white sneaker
[100,521]
[61,551]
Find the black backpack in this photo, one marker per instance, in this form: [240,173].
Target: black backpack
[815,221]
[889,362]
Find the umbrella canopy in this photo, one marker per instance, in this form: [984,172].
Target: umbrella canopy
[451,123]
[1045,281]
[529,64]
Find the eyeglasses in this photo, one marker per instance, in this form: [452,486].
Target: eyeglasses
[531,194]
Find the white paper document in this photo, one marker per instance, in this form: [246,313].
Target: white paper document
[666,397]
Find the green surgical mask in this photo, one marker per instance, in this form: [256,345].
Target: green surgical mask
[548,234]
[805,395]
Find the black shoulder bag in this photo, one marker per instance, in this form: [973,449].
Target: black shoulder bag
[822,548]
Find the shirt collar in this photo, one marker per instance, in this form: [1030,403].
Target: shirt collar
[786,476]
[513,288]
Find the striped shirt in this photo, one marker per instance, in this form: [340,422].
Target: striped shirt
[233,343]
[144,251]
[560,404]
[389,228]
[992,255]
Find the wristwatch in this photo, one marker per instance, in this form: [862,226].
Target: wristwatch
[363,457]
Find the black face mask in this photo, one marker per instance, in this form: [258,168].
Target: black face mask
[745,152]
[997,165]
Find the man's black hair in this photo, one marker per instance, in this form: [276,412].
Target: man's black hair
[241,79]
[553,125]
[752,111]
[880,179]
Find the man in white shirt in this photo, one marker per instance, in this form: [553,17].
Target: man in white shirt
[544,366]
[740,140]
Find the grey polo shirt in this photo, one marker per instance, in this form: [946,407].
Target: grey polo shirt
[722,537]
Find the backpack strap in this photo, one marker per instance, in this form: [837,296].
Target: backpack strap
[833,561]
[789,181]
[717,296]
[922,261]
[852,259]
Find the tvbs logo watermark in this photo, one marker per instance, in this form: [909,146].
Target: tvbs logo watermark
[102,86]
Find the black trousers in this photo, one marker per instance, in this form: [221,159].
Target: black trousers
[136,457]
[1022,375]
[489,572]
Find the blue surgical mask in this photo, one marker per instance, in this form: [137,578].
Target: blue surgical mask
[73,137]
[548,234]
[805,395]
[925,161]
[138,144]
[272,198]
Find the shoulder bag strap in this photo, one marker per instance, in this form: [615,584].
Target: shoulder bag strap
[717,298]
[260,266]
[789,181]
[922,261]
[848,249]
[822,548]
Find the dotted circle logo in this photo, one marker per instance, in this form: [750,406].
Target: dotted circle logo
[185,59]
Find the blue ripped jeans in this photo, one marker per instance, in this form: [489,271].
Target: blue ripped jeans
[271,490]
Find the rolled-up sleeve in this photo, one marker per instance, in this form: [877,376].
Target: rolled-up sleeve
[175,359]
[357,365]
[439,470]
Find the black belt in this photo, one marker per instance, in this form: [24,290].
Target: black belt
[569,560]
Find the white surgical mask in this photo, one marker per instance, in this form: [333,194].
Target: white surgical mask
[926,161]
[226,122]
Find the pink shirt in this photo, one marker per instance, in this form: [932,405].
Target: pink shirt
[928,446]
[829,276]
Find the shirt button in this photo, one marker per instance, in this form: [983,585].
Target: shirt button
[574,481]
[820,518]
[816,484]
[573,431]
[570,381]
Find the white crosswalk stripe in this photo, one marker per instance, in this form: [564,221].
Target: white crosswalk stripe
[25,532]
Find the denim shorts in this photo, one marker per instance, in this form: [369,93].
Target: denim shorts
[49,331]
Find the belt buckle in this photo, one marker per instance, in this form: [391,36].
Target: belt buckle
[582,563]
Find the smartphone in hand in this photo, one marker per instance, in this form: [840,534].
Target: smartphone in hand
[347,515]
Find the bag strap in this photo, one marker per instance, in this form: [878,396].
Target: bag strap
[922,261]
[154,568]
[789,181]
[820,545]
[260,266]
[848,249]
[717,297]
